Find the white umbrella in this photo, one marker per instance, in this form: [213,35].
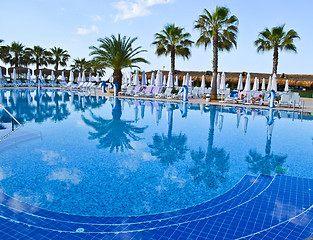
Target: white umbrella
[263,85]
[269,85]
[97,78]
[158,81]
[1,74]
[184,81]
[136,79]
[247,86]
[28,75]
[14,74]
[90,78]
[164,81]
[203,82]
[255,84]
[52,75]
[170,82]
[176,81]
[84,77]
[143,79]
[187,79]
[274,83]
[286,86]
[218,79]
[79,77]
[223,82]
[63,78]
[40,75]
[240,83]
[71,79]
[152,81]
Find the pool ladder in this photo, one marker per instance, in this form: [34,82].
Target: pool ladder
[13,119]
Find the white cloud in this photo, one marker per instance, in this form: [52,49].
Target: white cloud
[135,8]
[96,18]
[85,31]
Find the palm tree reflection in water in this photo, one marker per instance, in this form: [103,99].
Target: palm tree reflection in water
[171,148]
[114,133]
[211,167]
[269,162]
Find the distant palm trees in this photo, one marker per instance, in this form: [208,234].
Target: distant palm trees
[80,64]
[117,53]
[38,56]
[172,40]
[276,39]
[59,57]
[13,54]
[219,29]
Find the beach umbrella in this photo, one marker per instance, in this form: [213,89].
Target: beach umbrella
[274,83]
[218,79]
[190,82]
[187,79]
[71,78]
[164,81]
[29,76]
[240,83]
[136,79]
[97,78]
[79,77]
[286,86]
[176,81]
[143,79]
[170,83]
[52,75]
[184,81]
[152,81]
[223,82]
[84,77]
[203,82]
[40,75]
[247,86]
[14,74]
[255,84]
[90,78]
[159,79]
[269,85]
[1,74]
[63,77]
[263,85]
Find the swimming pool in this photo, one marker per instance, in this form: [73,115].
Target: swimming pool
[119,157]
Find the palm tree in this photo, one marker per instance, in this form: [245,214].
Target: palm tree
[80,64]
[59,57]
[211,166]
[219,29]
[276,39]
[172,40]
[95,68]
[39,56]
[13,54]
[117,53]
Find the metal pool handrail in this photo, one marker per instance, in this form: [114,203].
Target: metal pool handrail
[5,136]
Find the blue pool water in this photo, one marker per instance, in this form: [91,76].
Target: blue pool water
[117,157]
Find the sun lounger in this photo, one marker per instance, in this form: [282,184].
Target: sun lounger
[155,91]
[166,94]
[136,90]
[145,92]
[285,100]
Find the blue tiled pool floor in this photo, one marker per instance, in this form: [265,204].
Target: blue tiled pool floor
[278,207]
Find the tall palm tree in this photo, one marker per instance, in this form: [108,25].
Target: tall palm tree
[172,40]
[38,56]
[219,29]
[59,57]
[276,39]
[13,53]
[95,68]
[117,53]
[80,64]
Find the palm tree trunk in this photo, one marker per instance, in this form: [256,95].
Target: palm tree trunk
[215,66]
[275,60]
[117,76]
[173,60]
[56,66]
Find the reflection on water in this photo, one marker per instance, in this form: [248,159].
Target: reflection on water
[270,162]
[177,154]
[114,133]
[210,167]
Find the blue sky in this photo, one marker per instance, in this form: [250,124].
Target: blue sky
[77,24]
